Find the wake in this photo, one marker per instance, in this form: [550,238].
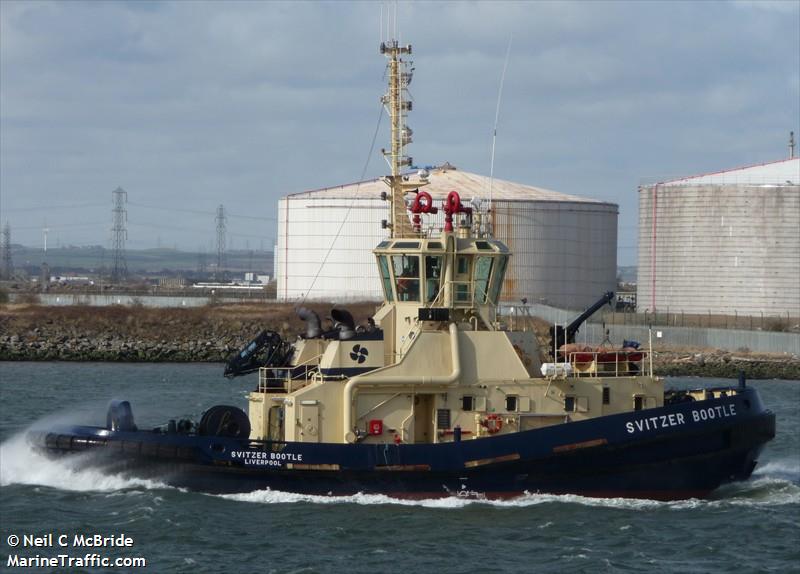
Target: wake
[776,483]
[21,464]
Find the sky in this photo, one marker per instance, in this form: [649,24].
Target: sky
[189,105]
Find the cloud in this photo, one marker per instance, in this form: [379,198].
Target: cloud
[202,103]
[779,6]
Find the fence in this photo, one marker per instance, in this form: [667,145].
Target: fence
[708,320]
[598,328]
[163,301]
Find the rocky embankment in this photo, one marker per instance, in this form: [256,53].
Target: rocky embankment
[212,334]
[726,364]
[137,334]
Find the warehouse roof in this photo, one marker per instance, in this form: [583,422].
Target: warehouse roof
[782,172]
[446,178]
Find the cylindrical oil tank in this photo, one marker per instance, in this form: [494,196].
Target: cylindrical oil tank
[725,243]
[564,246]
[324,246]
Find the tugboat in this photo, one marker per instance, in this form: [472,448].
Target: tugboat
[437,396]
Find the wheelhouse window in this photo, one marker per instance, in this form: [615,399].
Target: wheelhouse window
[406,274]
[462,292]
[386,278]
[433,277]
[483,269]
[497,279]
[467,403]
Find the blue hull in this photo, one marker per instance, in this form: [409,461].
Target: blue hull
[673,452]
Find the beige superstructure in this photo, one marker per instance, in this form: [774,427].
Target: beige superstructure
[439,358]
[437,364]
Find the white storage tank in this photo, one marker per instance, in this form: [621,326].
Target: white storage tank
[725,243]
[565,246]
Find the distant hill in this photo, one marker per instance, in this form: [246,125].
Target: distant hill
[93,258]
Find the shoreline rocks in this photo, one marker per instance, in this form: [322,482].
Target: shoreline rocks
[211,335]
[724,365]
[109,348]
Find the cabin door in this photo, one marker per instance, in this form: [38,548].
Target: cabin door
[275,428]
[309,420]
[423,419]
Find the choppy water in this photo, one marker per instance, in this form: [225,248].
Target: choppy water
[748,527]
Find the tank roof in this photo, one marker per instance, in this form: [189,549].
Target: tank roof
[446,178]
[781,172]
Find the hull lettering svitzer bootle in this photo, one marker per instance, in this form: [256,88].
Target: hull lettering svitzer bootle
[437,395]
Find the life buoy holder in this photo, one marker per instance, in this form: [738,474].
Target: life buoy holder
[492,423]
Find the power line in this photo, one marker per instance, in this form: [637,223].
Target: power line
[201,212]
[350,207]
[197,229]
[61,225]
[51,207]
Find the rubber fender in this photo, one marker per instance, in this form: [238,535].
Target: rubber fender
[224,420]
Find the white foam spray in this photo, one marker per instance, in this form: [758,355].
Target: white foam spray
[776,483]
[21,464]
[773,484]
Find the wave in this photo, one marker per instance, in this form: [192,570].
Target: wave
[269,496]
[761,492]
[785,469]
[777,483]
[20,464]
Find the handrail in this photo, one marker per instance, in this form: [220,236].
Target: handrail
[307,375]
[594,367]
[379,405]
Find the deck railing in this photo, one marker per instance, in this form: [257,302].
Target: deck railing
[295,377]
[610,363]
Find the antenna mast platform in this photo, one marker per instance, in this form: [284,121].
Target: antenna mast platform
[398,103]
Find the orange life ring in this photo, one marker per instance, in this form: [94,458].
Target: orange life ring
[493,423]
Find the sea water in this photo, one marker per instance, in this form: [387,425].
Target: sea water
[752,526]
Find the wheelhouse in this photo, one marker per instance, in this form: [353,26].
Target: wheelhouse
[453,272]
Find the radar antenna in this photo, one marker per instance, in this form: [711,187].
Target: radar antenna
[398,103]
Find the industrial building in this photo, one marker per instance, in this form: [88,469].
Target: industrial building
[565,246]
[723,243]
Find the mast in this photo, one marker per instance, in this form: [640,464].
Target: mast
[398,104]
